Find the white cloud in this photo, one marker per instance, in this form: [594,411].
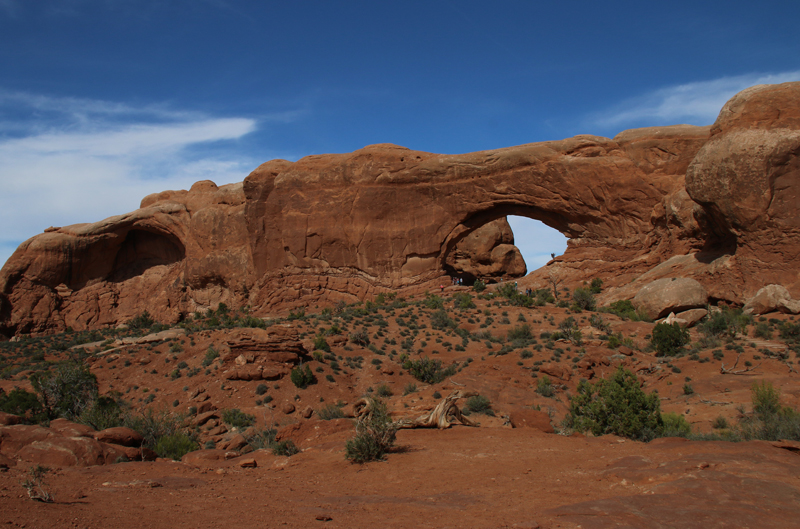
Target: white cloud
[695,103]
[88,160]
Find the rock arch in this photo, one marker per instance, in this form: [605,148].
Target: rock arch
[649,203]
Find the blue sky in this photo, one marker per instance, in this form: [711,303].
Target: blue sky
[105,101]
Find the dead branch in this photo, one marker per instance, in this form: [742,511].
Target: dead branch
[442,416]
[725,371]
[714,402]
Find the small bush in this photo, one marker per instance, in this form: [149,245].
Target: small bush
[175,446]
[211,355]
[544,387]
[520,332]
[720,423]
[675,425]
[141,322]
[428,371]
[479,404]
[440,320]
[329,412]
[478,286]
[384,390]
[725,323]
[596,286]
[616,405]
[285,448]
[375,435]
[463,301]
[410,388]
[360,338]
[153,425]
[583,299]
[320,344]
[302,377]
[24,404]
[667,340]
[236,418]
[261,389]
[66,391]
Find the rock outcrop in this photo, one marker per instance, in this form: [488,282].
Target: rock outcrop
[663,296]
[487,253]
[717,204]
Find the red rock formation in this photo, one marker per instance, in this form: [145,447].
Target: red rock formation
[650,203]
[487,253]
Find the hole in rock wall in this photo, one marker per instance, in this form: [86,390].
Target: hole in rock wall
[142,250]
[536,241]
[504,248]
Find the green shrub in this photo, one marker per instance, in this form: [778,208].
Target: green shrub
[285,448]
[583,299]
[360,338]
[596,285]
[24,404]
[375,435]
[141,322]
[520,332]
[616,405]
[153,425]
[763,330]
[440,320]
[175,446]
[463,301]
[478,286]
[569,330]
[667,340]
[384,390]
[236,418]
[769,421]
[302,377]
[544,387]
[410,388]
[479,404]
[432,301]
[329,412]
[720,423]
[260,439]
[428,371]
[725,323]
[320,344]
[675,425]
[261,389]
[66,391]
[104,412]
[625,310]
[211,355]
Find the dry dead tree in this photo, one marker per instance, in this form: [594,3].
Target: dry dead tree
[725,371]
[442,416]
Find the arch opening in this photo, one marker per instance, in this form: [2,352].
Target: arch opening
[142,250]
[501,244]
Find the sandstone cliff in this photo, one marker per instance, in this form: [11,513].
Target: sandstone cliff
[717,203]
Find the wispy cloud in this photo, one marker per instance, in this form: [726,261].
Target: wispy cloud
[695,103]
[69,160]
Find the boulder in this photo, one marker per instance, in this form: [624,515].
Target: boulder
[772,298]
[530,418]
[120,436]
[556,371]
[7,419]
[659,298]
[488,253]
[288,408]
[71,429]
[687,318]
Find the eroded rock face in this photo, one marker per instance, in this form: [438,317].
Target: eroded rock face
[717,204]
